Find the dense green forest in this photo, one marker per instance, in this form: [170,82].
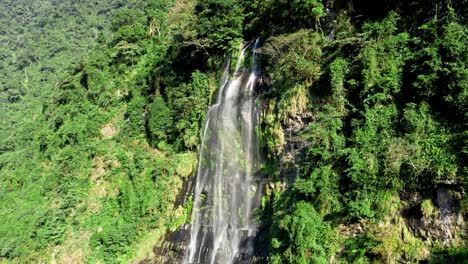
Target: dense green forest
[363,128]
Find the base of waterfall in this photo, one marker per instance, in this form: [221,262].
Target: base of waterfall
[173,247]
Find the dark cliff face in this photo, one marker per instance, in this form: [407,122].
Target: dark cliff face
[172,248]
[438,219]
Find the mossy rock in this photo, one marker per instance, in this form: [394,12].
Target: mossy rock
[186,163]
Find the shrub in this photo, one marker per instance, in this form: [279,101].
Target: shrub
[160,120]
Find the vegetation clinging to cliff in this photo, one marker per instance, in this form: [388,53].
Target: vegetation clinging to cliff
[379,96]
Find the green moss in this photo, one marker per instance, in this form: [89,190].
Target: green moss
[428,209]
[186,164]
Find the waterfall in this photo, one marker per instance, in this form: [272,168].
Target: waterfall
[227,187]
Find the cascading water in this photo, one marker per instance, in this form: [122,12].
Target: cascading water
[227,185]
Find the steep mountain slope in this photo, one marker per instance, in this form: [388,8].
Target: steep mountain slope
[363,128]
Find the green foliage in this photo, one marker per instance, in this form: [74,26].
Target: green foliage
[127,17]
[284,16]
[383,59]
[160,119]
[376,111]
[305,237]
[114,240]
[186,165]
[358,247]
[219,23]
[134,115]
[90,88]
[40,42]
[294,59]
[366,170]
[190,101]
[323,187]
[432,152]
[441,60]
[442,254]
[83,167]
[428,209]
[339,68]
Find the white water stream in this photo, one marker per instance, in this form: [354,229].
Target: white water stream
[227,188]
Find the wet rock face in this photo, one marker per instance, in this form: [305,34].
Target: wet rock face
[172,248]
[174,244]
[445,223]
[295,146]
[447,200]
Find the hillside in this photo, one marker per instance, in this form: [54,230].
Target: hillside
[362,127]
